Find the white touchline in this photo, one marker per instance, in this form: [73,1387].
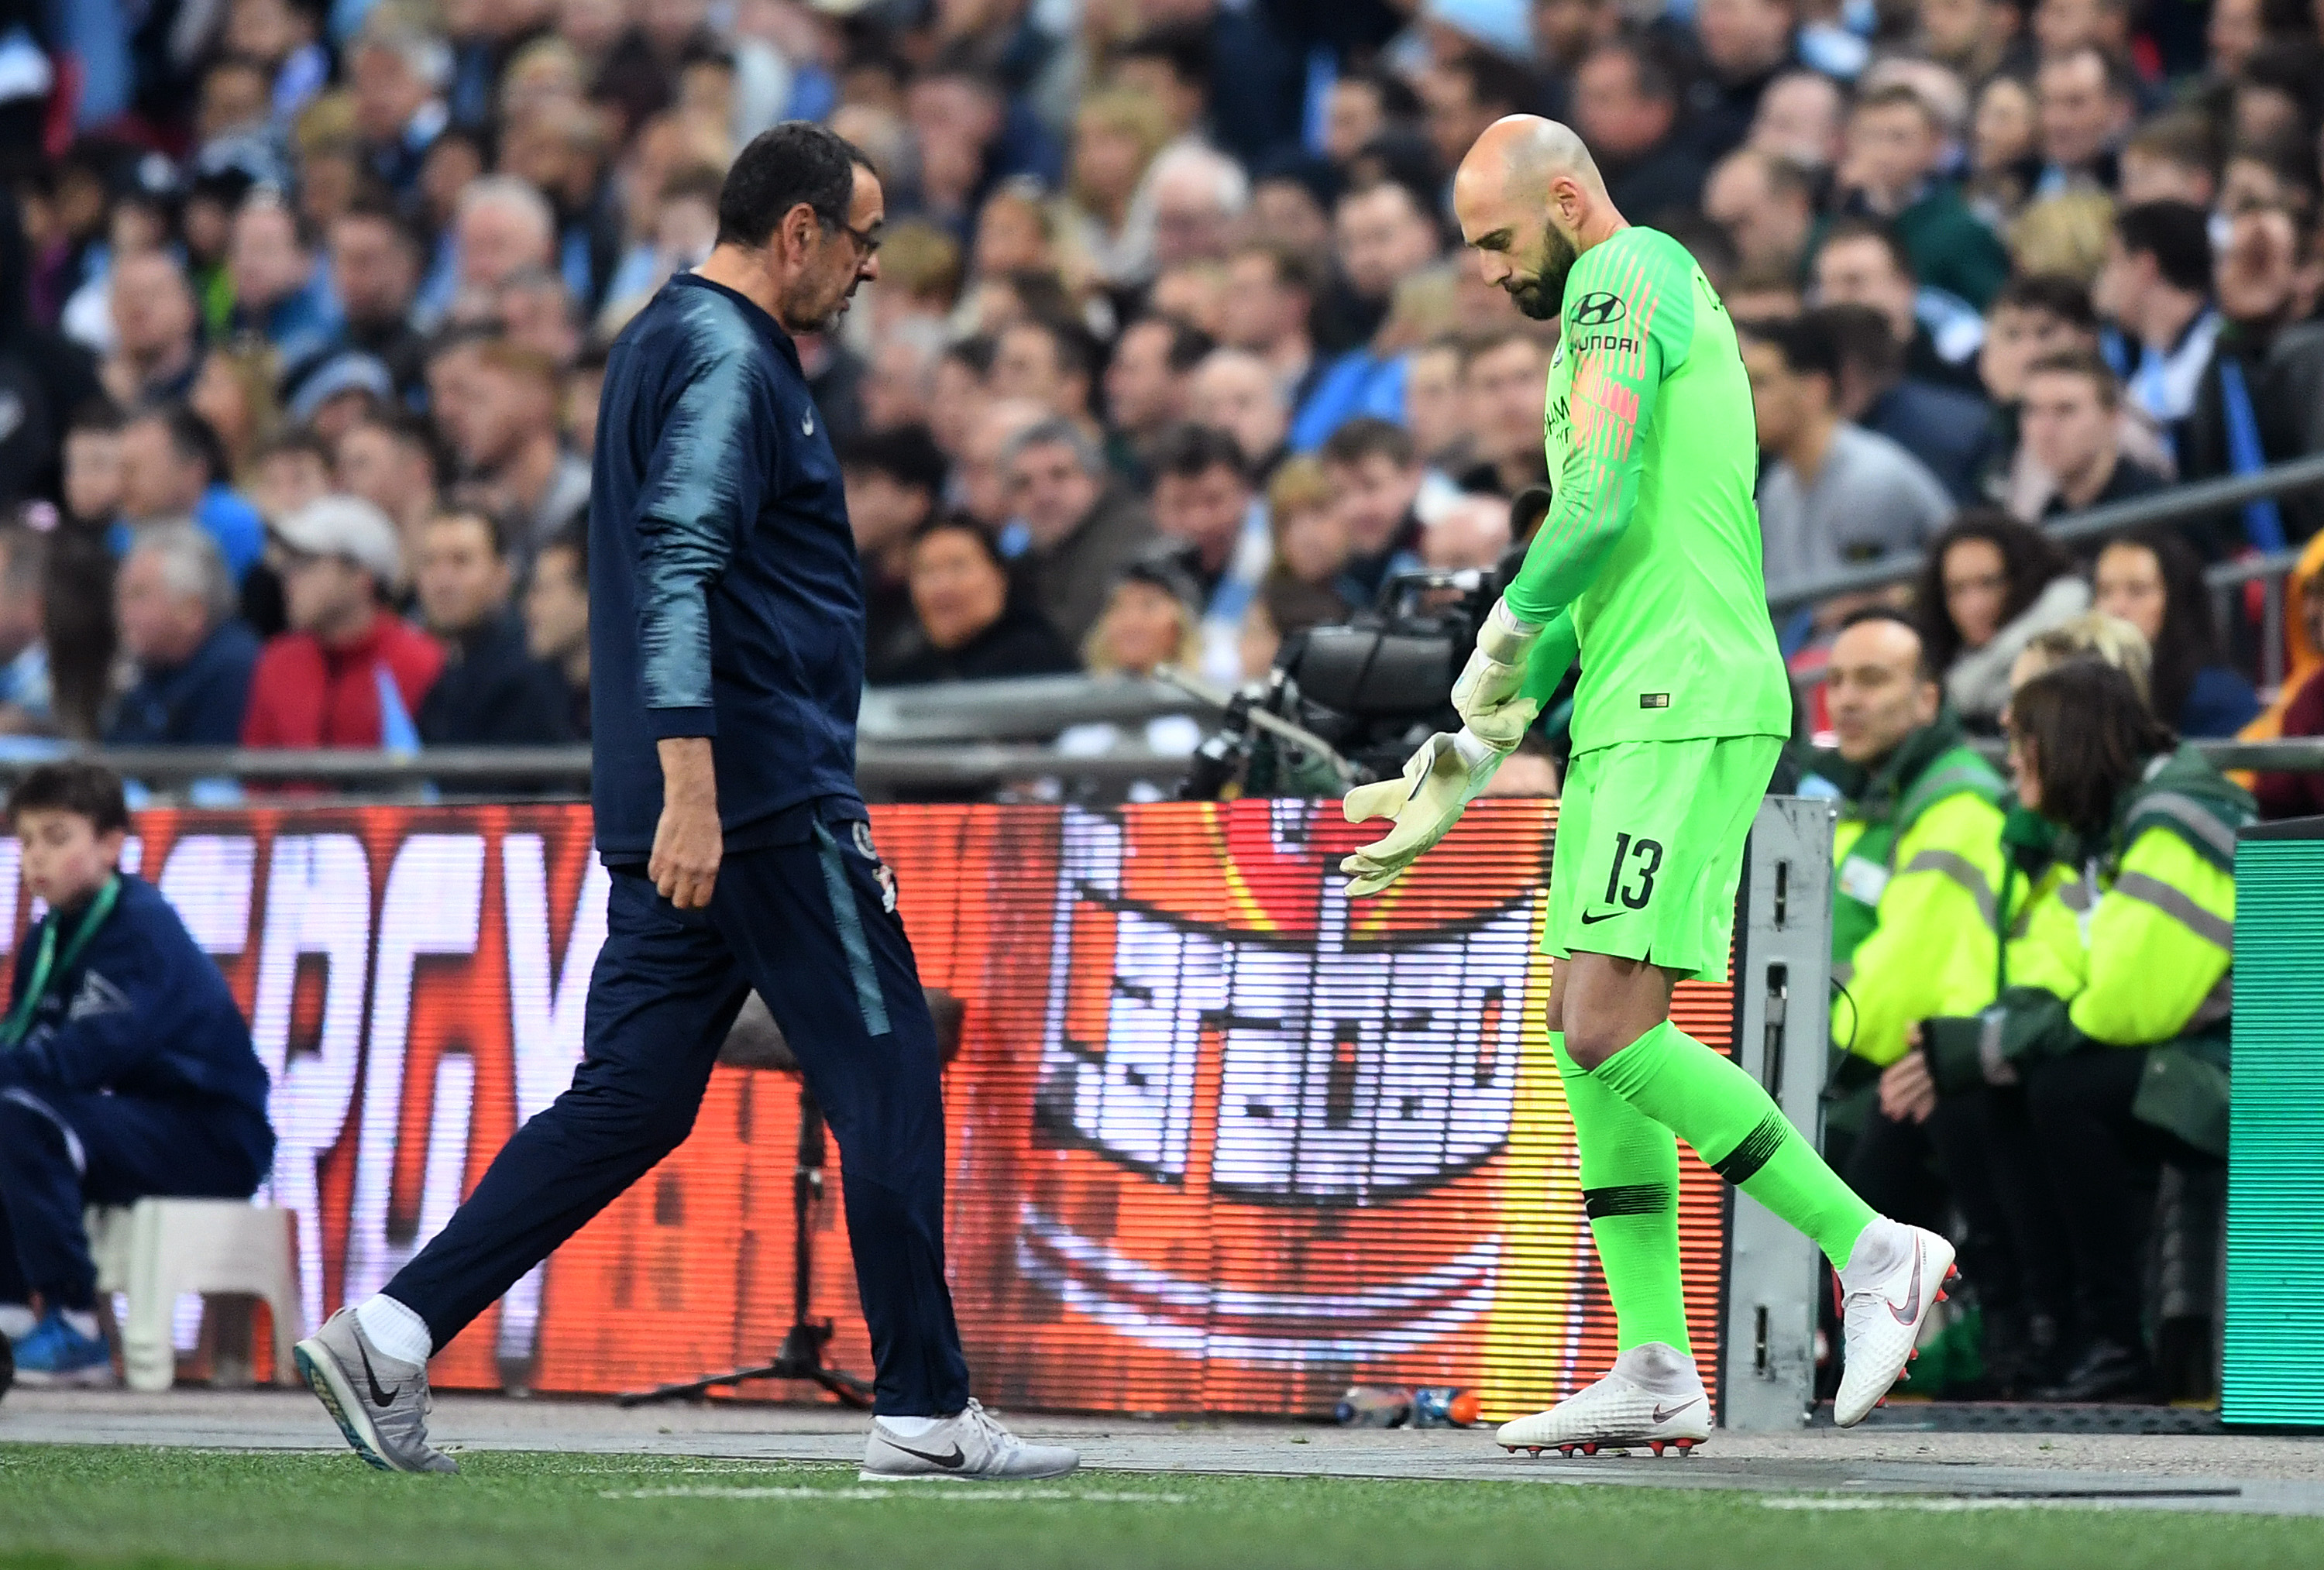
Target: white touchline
[1001,1494]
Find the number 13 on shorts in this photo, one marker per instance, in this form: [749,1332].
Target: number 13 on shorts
[1649,849]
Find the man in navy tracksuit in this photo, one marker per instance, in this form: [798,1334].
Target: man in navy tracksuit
[727,660]
[125,1069]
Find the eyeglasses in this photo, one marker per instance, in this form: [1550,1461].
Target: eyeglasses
[866,241]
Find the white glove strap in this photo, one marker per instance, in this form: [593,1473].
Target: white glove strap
[1504,639]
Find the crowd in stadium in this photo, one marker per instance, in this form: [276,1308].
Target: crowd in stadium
[1174,353]
[304,311]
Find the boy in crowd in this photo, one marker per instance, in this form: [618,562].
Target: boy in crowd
[125,1069]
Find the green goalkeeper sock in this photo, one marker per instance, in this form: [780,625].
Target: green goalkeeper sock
[1629,1190]
[1706,1100]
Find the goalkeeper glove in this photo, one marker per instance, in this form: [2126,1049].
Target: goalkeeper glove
[1491,693]
[1438,782]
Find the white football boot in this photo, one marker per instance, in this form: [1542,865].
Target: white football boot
[969,1446]
[379,1402]
[1653,1396]
[1893,1277]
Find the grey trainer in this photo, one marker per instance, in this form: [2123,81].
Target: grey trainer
[379,1402]
[969,1446]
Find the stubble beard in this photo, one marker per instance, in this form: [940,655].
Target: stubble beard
[1541,299]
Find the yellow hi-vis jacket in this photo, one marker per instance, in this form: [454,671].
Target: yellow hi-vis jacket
[1917,864]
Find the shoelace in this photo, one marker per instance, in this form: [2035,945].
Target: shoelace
[1002,1440]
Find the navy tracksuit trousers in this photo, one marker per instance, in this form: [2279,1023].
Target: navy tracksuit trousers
[810,926]
[62,1149]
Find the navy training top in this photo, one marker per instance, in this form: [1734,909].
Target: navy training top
[725,599]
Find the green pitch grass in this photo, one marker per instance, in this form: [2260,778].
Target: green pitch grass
[157,1509]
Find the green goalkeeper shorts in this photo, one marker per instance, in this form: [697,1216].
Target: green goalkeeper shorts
[1649,848]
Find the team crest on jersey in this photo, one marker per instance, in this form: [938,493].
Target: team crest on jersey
[1595,309]
[97,997]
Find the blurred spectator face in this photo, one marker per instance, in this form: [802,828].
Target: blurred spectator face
[2065,425]
[1741,38]
[1010,234]
[883,511]
[557,606]
[381,467]
[1205,510]
[1451,115]
[1779,399]
[1565,29]
[1382,235]
[1955,28]
[592,26]
[451,379]
[1108,159]
[537,313]
[160,623]
[2234,33]
[1260,311]
[374,268]
[1143,628]
[2127,581]
[1432,399]
[1506,388]
[156,481]
[953,123]
[1891,148]
[265,259]
[1027,363]
[233,97]
[451,163]
[955,401]
[1372,497]
[1312,542]
[153,315]
[1190,222]
[1182,101]
[1763,303]
[2126,284]
[2256,276]
[288,480]
[987,491]
[1352,116]
[92,482]
[463,582]
[387,92]
[1860,272]
[668,25]
[265,30]
[957,591]
[553,149]
[1233,390]
[2060,25]
[498,240]
[1142,393]
[2079,112]
[1875,689]
[897,383]
[1769,227]
[1194,293]
[1050,491]
[1288,213]
[1615,118]
[507,411]
[2147,178]
[1799,118]
[2015,337]
[2006,127]
[222,398]
[329,596]
[1977,590]
[1472,534]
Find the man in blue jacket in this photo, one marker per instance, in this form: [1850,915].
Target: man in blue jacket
[726,665]
[125,1069]
[174,601]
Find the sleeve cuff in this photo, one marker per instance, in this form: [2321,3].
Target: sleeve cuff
[667,723]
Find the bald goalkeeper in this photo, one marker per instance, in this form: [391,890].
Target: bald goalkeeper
[1647,566]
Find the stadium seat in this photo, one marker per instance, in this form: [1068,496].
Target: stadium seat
[156,1249]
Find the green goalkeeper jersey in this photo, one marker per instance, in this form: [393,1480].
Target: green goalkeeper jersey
[1651,542]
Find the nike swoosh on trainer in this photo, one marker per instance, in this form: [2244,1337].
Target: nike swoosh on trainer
[1912,1309]
[379,1398]
[1665,1414]
[951,1462]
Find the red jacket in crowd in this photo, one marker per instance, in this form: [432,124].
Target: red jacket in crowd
[304,695]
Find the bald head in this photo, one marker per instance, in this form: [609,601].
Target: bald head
[1878,687]
[1530,200]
